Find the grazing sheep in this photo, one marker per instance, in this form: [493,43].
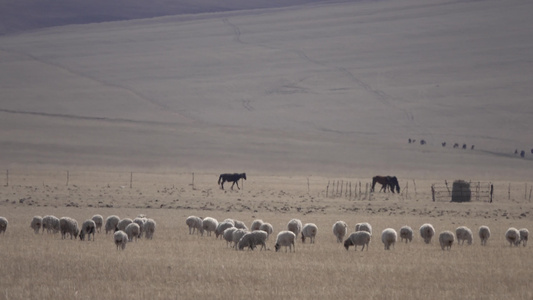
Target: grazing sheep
[70,226]
[195,224]
[339,230]
[358,238]
[210,225]
[484,234]
[512,235]
[139,221]
[149,229]
[427,232]
[121,239]
[256,224]
[230,221]
[133,231]
[122,224]
[3,225]
[309,231]
[237,235]
[295,226]
[240,225]
[363,227]
[87,228]
[463,234]
[286,239]
[36,223]
[267,227]
[524,234]
[51,224]
[111,223]
[389,237]
[252,239]
[228,235]
[221,227]
[406,233]
[99,221]
[446,239]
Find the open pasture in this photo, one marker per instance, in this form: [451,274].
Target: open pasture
[176,265]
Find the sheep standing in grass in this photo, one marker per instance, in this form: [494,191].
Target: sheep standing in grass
[228,236]
[427,232]
[358,238]
[524,234]
[111,223]
[512,235]
[463,234]
[339,230]
[240,225]
[149,229]
[36,223]
[256,224]
[309,231]
[70,226]
[121,239]
[133,230]
[267,227]
[286,239]
[221,227]
[3,225]
[139,221]
[51,224]
[210,225]
[195,225]
[363,227]
[446,239]
[252,239]
[122,224]
[87,228]
[99,222]
[389,237]
[484,234]
[237,235]
[295,226]
[406,233]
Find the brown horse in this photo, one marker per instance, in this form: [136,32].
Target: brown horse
[231,178]
[390,182]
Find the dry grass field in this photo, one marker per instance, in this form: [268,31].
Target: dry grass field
[176,265]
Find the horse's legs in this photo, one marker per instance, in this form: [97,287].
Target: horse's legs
[222,184]
[235,182]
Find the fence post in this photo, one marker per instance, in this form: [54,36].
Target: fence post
[491,190]
[327,189]
[433,192]
[68,176]
[131,180]
[7,177]
[414,183]
[509,192]
[308,185]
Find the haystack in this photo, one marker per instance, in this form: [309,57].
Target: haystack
[461,191]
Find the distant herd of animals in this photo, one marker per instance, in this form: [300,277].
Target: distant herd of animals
[522,153]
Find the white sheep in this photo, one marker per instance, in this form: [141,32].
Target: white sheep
[237,235]
[149,229]
[524,234]
[70,226]
[363,227]
[121,239]
[512,235]
[463,234]
[122,224]
[427,232]
[406,233]
[210,225]
[295,226]
[484,234]
[51,224]
[256,224]
[340,228]
[286,239]
[140,221]
[87,228]
[252,239]
[358,238]
[389,237]
[36,223]
[267,227]
[195,224]
[98,221]
[228,235]
[230,221]
[3,225]
[221,227]
[446,239]
[111,223]
[240,225]
[133,231]
[309,231]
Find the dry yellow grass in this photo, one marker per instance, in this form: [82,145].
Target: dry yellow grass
[176,265]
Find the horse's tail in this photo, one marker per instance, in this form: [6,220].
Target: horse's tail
[374,179]
[220,178]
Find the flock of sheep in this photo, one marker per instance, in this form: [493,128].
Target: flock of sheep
[238,236]
[125,230]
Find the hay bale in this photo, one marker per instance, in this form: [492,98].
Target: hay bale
[461,191]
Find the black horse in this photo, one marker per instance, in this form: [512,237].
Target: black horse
[231,178]
[390,182]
